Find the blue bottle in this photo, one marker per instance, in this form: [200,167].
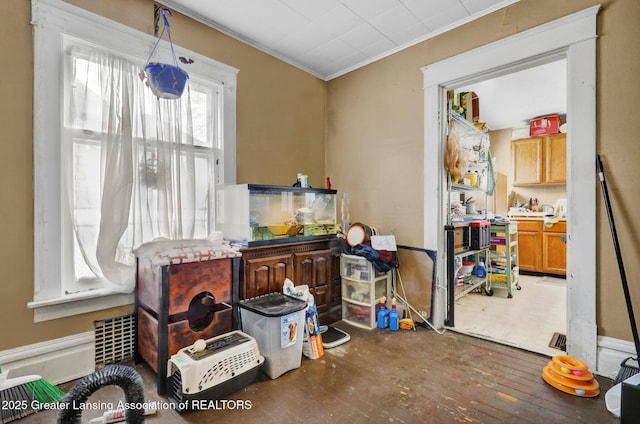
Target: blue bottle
[394,321]
[383,314]
[481,271]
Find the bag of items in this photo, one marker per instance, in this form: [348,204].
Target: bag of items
[312,341]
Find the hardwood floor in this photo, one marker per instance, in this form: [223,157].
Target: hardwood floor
[385,377]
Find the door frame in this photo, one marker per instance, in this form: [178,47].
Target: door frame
[572,38]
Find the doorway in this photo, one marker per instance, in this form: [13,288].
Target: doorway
[572,38]
[533,317]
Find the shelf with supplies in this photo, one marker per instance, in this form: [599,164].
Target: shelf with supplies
[362,288]
[463,209]
[471,281]
[467,256]
[503,269]
[467,228]
[474,145]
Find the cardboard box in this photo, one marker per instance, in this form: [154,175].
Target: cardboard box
[470,103]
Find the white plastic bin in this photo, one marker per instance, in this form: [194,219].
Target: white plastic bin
[613,397]
[276,322]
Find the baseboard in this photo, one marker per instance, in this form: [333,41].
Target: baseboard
[57,361]
[611,352]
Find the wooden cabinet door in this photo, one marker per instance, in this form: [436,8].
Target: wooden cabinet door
[528,250]
[555,149]
[529,245]
[266,275]
[554,253]
[554,248]
[526,161]
[314,270]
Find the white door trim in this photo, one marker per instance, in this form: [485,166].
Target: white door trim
[573,38]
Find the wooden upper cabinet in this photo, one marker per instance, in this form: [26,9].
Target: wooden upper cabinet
[555,152]
[539,160]
[526,160]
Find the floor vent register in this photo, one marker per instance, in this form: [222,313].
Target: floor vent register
[558,341]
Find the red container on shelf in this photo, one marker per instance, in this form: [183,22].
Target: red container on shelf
[544,126]
[480,234]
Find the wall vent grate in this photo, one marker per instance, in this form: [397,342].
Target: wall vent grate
[114,340]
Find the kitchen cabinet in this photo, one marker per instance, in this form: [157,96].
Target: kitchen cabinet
[542,248]
[529,245]
[314,263]
[539,160]
[554,248]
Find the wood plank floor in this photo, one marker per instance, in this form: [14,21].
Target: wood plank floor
[384,377]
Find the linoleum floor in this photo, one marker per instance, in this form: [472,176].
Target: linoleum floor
[527,320]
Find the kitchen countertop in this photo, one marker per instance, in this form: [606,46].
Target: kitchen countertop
[531,216]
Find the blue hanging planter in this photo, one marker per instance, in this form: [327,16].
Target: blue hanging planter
[165,81]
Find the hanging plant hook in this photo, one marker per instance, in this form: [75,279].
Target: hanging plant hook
[164,12]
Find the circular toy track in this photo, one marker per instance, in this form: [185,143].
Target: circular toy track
[572,387]
[571,376]
[576,374]
[571,364]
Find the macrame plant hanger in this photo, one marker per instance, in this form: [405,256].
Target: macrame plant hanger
[165,80]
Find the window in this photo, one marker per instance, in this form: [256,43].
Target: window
[115,167]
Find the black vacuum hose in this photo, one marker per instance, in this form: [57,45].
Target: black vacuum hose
[112,375]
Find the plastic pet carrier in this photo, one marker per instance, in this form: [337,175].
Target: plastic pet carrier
[212,369]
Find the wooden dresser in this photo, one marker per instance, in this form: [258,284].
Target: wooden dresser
[314,263]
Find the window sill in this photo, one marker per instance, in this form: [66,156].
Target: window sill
[46,310]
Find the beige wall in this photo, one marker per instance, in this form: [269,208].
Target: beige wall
[281,124]
[375,134]
[372,120]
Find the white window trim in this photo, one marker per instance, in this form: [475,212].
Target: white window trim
[52,20]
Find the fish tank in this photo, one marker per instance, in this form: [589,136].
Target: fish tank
[252,215]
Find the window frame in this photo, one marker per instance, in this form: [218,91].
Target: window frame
[53,21]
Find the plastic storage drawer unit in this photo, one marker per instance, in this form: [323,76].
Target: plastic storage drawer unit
[364,292]
[276,322]
[362,287]
[357,268]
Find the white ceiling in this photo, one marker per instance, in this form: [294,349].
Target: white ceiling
[511,100]
[328,38]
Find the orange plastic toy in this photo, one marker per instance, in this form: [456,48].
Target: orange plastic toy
[570,376]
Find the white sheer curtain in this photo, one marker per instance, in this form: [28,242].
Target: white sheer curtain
[137,174]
